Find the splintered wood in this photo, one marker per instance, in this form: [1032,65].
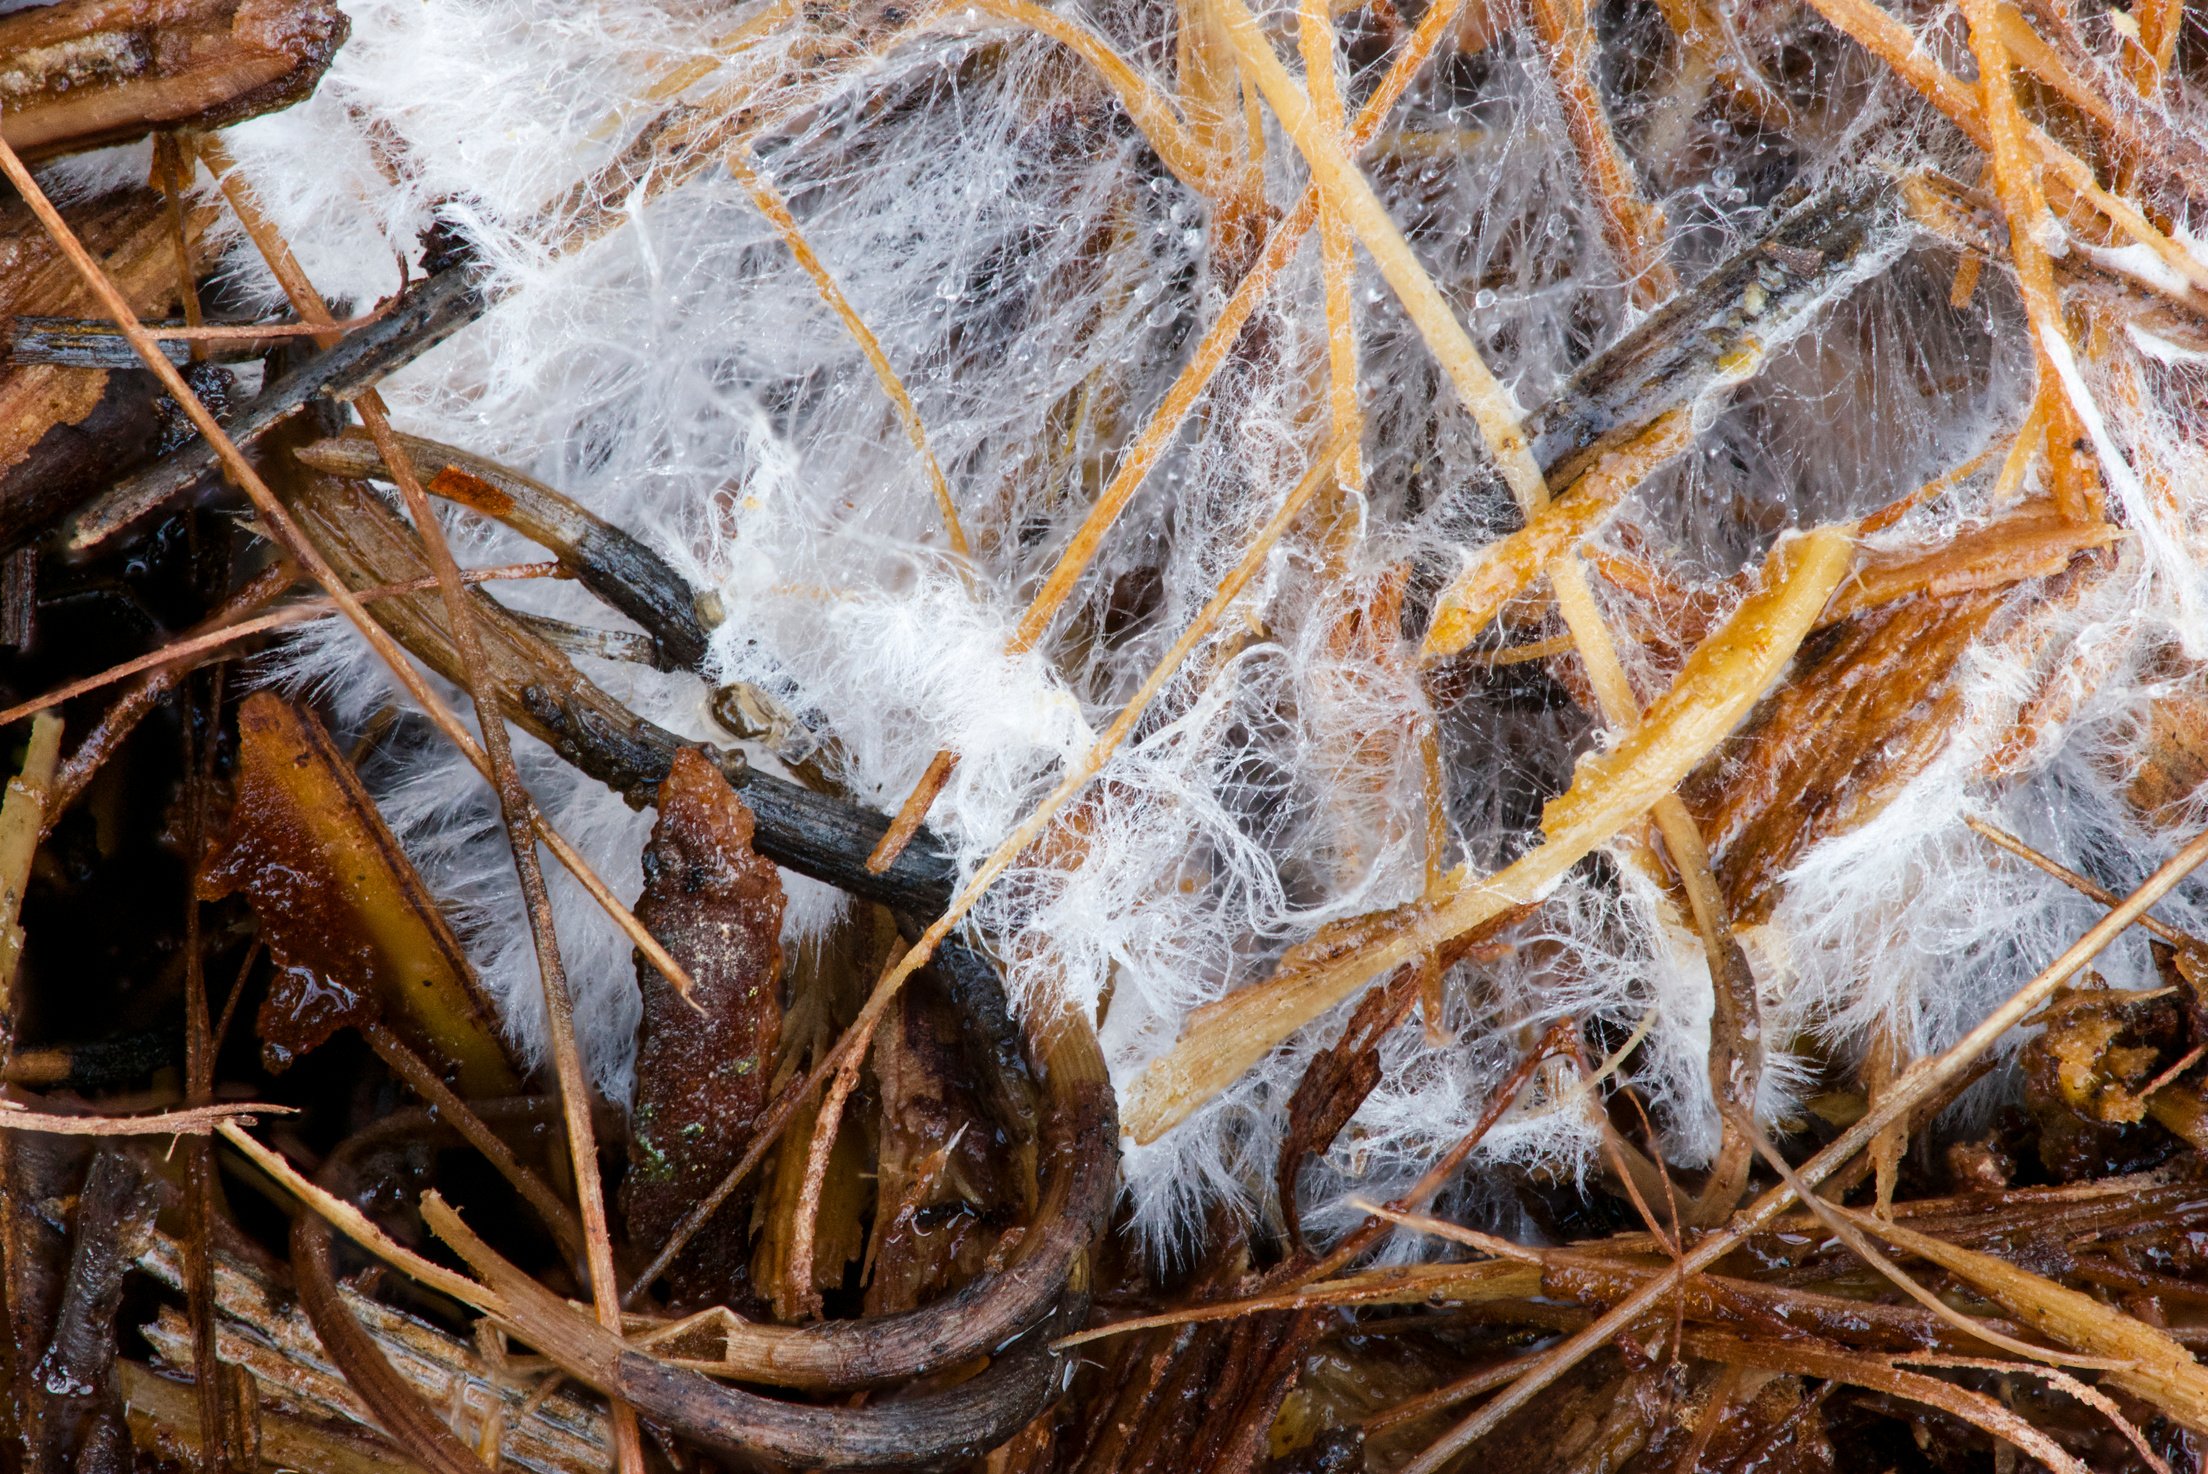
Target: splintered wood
[84,73]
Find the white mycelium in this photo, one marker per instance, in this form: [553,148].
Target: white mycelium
[1037,280]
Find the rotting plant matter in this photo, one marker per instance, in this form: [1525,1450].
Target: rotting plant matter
[1337,736]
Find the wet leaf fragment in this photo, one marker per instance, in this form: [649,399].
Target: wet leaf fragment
[702,1066]
[353,930]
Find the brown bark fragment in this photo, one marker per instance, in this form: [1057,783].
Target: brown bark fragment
[65,431]
[88,73]
[702,1067]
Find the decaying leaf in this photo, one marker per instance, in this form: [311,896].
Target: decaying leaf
[355,934]
[2085,1079]
[703,1066]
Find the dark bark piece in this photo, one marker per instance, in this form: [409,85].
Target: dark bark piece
[702,1066]
[65,432]
[19,598]
[81,1409]
[542,692]
[948,1178]
[87,73]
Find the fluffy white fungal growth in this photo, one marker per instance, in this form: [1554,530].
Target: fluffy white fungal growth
[1037,280]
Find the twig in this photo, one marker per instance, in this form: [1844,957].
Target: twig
[2092,889]
[616,566]
[769,202]
[285,531]
[78,342]
[187,1121]
[932,1427]
[181,655]
[421,317]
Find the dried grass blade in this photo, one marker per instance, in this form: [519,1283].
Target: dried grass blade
[1633,228]
[769,202]
[355,1225]
[187,1121]
[22,820]
[1882,1376]
[1336,248]
[1413,1284]
[1505,568]
[1156,117]
[1845,1225]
